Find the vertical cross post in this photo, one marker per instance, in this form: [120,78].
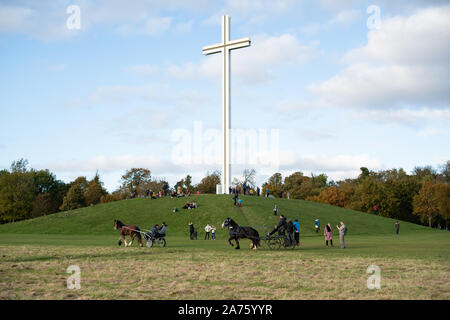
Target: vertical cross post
[225,47]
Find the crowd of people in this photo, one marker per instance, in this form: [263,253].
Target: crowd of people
[291,229]
[190,205]
[288,227]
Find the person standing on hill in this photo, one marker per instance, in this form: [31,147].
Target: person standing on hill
[342,231]
[397,227]
[317,224]
[290,232]
[297,232]
[207,231]
[213,232]
[191,230]
[328,233]
[375,210]
[235,197]
[267,193]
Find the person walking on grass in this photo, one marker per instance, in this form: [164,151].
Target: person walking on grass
[275,210]
[297,232]
[397,227]
[328,233]
[207,231]
[191,230]
[342,232]
[213,232]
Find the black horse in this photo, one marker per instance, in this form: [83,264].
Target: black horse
[237,232]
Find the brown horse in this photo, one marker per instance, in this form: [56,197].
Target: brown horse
[131,231]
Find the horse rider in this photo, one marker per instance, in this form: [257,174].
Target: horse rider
[280,227]
[162,231]
[155,230]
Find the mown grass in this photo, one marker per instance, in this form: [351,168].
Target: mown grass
[410,269]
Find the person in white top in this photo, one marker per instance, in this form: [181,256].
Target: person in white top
[213,232]
[207,231]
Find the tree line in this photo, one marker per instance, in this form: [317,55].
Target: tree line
[421,197]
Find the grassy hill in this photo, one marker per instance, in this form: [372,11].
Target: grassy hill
[213,209]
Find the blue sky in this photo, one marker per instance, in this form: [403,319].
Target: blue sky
[110,95]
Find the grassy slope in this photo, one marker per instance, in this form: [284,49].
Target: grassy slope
[98,220]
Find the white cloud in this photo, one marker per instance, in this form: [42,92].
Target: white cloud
[143,70]
[14,18]
[46,20]
[345,17]
[152,26]
[404,63]
[404,116]
[429,132]
[324,163]
[251,11]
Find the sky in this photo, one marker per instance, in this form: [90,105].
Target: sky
[325,87]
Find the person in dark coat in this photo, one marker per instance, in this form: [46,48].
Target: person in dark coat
[235,197]
[191,230]
[290,232]
[280,227]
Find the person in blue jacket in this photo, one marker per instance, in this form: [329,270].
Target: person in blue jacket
[297,232]
[317,224]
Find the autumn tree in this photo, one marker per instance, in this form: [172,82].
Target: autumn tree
[443,202]
[188,184]
[94,191]
[17,195]
[274,184]
[134,179]
[426,204]
[208,183]
[75,197]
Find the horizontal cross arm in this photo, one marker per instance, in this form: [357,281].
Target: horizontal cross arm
[239,43]
[215,48]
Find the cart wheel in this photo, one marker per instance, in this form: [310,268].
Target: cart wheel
[273,243]
[162,242]
[149,243]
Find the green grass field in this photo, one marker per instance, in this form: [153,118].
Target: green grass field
[35,254]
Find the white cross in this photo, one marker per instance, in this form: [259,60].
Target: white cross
[225,47]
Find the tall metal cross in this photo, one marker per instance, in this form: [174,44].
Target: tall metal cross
[225,47]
